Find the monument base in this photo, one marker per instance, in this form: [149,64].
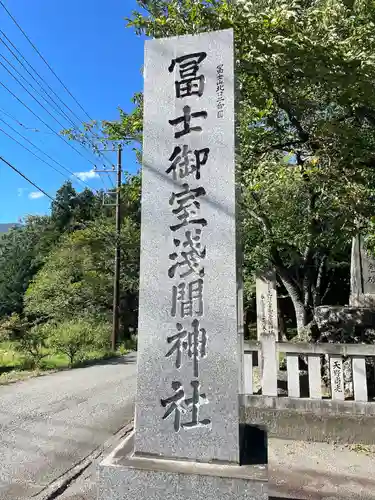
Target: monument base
[122,475]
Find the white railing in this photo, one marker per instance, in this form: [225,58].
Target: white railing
[314,354]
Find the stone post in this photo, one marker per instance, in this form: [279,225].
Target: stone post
[186,440]
[267,330]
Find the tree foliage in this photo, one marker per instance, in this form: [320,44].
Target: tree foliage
[77,278]
[305,128]
[74,337]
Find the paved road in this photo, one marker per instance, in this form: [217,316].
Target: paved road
[50,423]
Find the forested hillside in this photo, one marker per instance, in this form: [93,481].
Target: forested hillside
[56,275]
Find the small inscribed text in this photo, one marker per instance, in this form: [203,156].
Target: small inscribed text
[337,374]
[220,100]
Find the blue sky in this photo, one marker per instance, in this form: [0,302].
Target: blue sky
[97,58]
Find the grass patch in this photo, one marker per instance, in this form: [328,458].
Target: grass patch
[15,366]
[361,448]
[18,375]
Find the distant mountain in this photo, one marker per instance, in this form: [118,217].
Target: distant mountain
[5,227]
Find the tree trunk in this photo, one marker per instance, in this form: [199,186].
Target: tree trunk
[282,325]
[301,311]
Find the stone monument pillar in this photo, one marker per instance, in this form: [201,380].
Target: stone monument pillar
[186,440]
[362,275]
[267,330]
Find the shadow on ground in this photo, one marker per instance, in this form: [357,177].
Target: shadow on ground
[253,445]
[127,359]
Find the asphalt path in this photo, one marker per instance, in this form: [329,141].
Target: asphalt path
[49,424]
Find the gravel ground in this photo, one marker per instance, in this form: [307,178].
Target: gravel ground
[317,471]
[297,470]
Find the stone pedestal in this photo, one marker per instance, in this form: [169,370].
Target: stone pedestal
[123,475]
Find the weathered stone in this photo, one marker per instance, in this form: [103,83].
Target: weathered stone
[186,440]
[363,300]
[345,323]
[125,476]
[362,274]
[267,330]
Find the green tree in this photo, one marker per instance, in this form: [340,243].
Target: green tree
[22,253]
[305,127]
[76,336]
[33,343]
[77,278]
[70,209]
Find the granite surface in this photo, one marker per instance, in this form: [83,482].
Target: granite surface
[170,306]
[122,476]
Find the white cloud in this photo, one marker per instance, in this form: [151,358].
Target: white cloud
[34,195]
[84,176]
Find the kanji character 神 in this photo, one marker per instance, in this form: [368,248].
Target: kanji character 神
[190,82]
[193,342]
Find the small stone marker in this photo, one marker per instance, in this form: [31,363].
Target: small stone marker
[362,275]
[188,363]
[267,330]
[337,378]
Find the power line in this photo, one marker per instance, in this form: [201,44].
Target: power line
[12,117]
[31,95]
[37,148]
[29,150]
[44,60]
[44,90]
[27,107]
[2,110]
[63,114]
[33,77]
[59,110]
[40,104]
[46,124]
[26,178]
[56,76]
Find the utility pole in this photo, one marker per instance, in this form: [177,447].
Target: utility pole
[116,280]
[116,283]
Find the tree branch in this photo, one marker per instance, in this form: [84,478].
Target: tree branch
[317,299]
[281,146]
